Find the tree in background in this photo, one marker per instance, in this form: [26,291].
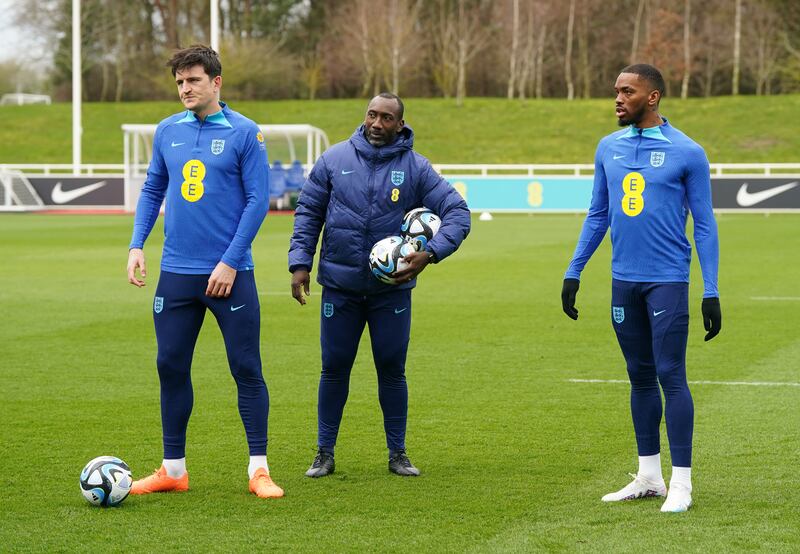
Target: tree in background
[449,48]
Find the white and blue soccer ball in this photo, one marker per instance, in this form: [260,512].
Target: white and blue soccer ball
[420,225]
[386,258]
[106,481]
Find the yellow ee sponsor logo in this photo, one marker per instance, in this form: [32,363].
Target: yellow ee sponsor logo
[535,194]
[192,187]
[633,186]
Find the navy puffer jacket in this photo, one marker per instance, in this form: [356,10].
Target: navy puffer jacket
[360,194]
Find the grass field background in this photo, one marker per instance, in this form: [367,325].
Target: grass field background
[485,130]
[514,456]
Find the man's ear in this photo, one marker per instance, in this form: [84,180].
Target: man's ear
[654,98]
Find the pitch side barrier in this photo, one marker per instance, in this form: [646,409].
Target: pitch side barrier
[533,188]
[759,188]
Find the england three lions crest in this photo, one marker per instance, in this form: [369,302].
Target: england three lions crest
[619,313]
[398,178]
[657,158]
[217,146]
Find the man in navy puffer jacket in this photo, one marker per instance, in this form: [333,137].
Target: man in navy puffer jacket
[359,191]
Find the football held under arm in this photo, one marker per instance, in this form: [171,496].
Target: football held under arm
[445,201]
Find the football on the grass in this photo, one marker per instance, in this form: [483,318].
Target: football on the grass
[106,481]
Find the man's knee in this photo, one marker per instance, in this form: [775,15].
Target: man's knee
[246,369]
[172,361]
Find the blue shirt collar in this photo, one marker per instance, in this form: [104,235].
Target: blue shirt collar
[217,118]
[649,132]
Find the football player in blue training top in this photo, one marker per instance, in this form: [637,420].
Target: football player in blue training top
[211,165]
[647,178]
[359,190]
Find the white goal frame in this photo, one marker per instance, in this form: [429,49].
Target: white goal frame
[17,194]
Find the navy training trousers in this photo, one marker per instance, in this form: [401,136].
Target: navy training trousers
[343,318]
[651,321]
[178,310]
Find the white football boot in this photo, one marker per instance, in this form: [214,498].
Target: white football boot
[679,499]
[640,487]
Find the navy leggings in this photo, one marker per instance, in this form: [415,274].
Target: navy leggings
[178,311]
[344,316]
[652,325]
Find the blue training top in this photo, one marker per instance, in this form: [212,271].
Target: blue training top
[645,183]
[215,176]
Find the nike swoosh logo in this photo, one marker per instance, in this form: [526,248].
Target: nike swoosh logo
[348,172]
[238,307]
[174,144]
[618,157]
[746,199]
[399,311]
[61,196]
[656,314]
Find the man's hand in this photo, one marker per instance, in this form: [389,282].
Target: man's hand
[221,281]
[568,292]
[416,263]
[301,282]
[136,261]
[712,317]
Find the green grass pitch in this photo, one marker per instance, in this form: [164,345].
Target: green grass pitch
[514,456]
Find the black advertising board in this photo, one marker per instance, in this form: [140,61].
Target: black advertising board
[66,191]
[756,193]
[746,193]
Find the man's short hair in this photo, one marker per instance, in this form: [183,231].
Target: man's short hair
[196,54]
[648,73]
[400,108]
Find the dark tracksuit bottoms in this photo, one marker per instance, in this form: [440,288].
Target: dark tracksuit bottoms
[178,311]
[651,321]
[343,318]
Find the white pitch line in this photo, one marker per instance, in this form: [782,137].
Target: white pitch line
[729,383]
[777,298]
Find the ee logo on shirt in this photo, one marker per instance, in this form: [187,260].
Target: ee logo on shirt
[633,201]
[192,187]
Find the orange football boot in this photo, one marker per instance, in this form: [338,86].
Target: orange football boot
[262,485]
[159,481]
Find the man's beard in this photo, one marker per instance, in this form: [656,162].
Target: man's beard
[378,142]
[633,119]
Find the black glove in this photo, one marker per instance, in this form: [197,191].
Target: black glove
[712,317]
[568,292]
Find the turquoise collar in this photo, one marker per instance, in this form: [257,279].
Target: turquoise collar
[649,132]
[217,118]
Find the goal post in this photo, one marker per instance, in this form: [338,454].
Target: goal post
[16,193]
[285,144]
